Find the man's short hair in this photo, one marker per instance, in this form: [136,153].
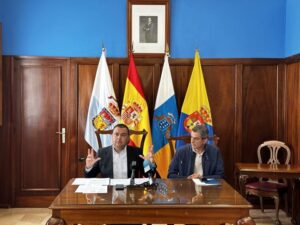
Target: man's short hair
[121,125]
[202,130]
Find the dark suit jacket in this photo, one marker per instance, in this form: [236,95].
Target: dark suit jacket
[105,165]
[182,165]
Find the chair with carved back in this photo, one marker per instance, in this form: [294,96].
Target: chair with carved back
[187,139]
[275,153]
[131,132]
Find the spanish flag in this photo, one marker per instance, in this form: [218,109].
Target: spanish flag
[195,108]
[135,112]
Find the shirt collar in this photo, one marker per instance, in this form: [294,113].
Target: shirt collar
[199,153]
[122,151]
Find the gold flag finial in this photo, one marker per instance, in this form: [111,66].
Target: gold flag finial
[132,47]
[167,50]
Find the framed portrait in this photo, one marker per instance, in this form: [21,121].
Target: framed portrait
[148,30]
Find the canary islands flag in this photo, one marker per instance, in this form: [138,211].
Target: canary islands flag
[195,108]
[135,112]
[165,120]
[103,111]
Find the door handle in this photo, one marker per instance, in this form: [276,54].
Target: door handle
[63,135]
[81,159]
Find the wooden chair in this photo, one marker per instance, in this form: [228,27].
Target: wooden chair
[131,132]
[271,152]
[187,139]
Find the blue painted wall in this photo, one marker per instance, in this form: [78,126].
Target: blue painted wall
[292,39]
[220,29]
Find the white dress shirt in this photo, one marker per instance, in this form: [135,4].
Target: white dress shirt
[120,164]
[198,163]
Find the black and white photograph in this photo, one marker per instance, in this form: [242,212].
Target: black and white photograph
[148,28]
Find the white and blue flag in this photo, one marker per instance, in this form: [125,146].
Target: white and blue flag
[165,120]
[103,111]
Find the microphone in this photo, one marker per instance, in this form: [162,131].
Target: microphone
[133,167]
[149,168]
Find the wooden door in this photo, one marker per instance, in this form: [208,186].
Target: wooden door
[41,158]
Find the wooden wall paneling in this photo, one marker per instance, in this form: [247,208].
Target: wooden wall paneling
[38,113]
[85,79]
[238,130]
[220,85]
[281,79]
[260,108]
[293,110]
[181,77]
[115,76]
[1,79]
[6,162]
[70,112]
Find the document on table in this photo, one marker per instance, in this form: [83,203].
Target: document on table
[99,185]
[126,182]
[207,182]
[138,181]
[91,185]
[83,181]
[91,188]
[114,182]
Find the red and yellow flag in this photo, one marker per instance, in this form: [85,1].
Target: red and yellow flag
[135,112]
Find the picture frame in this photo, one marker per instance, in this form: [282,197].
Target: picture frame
[148,30]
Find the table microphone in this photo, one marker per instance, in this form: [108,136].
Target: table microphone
[149,168]
[133,168]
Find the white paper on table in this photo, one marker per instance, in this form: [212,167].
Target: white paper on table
[83,181]
[93,188]
[98,181]
[209,182]
[114,182]
[138,181]
[80,181]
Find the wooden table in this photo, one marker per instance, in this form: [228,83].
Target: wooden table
[172,201]
[291,172]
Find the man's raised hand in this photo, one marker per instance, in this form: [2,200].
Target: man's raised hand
[90,159]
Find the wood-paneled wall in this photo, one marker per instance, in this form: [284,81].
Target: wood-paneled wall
[252,100]
[292,106]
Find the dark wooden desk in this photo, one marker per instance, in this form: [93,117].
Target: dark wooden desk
[173,201]
[291,172]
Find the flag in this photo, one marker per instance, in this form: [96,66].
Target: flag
[195,108]
[165,120]
[135,112]
[103,111]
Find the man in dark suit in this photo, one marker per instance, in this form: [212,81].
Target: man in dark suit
[115,161]
[198,159]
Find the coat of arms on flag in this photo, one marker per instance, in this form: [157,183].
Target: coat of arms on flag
[197,118]
[131,115]
[107,116]
[165,123]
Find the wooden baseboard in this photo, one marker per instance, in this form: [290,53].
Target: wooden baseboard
[34,201]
